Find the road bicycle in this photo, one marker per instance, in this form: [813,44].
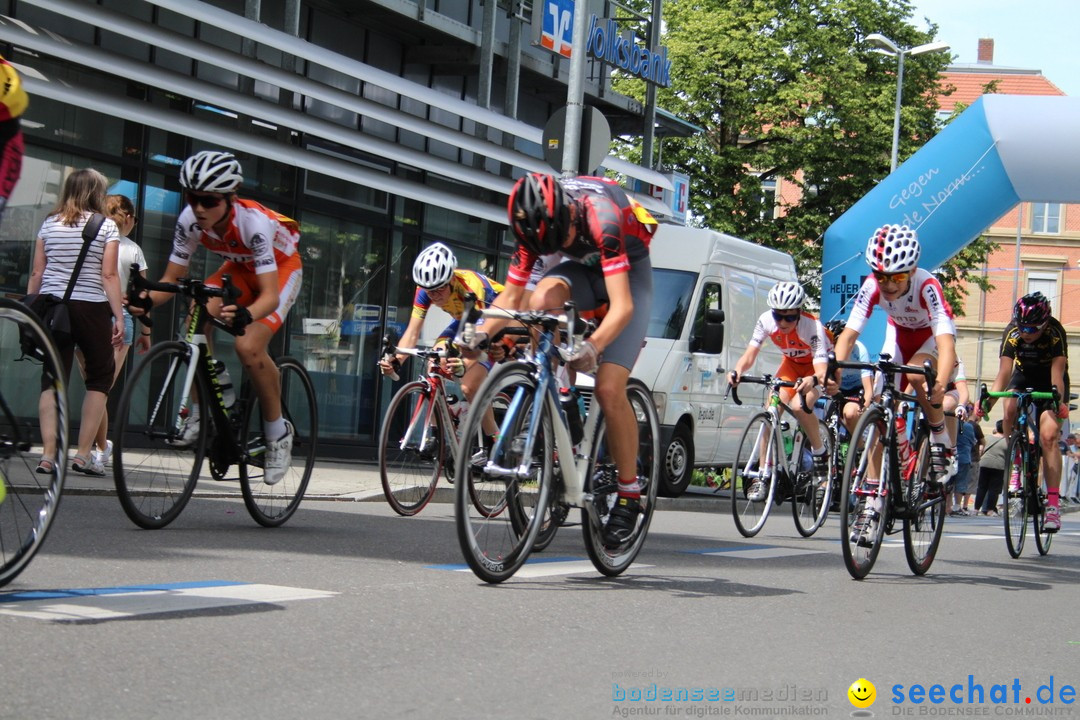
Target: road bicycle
[29,497]
[1025,495]
[780,462]
[418,440]
[887,477]
[535,472]
[156,471]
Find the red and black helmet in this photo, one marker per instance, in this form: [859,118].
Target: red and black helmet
[1032,309]
[539,212]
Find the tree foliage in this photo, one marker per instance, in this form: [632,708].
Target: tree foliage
[789,90]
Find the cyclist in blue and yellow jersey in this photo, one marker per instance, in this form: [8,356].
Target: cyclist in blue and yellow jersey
[1035,354]
[259,246]
[440,282]
[13,102]
[603,235]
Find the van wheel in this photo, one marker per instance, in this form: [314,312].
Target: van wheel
[678,466]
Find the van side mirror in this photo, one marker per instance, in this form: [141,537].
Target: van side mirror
[711,340]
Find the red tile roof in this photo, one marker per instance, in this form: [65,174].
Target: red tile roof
[970,83]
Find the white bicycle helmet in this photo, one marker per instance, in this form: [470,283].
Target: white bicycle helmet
[787,296]
[893,249]
[434,266]
[211,171]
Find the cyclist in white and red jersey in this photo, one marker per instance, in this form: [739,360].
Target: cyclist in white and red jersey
[805,346]
[259,247]
[920,325]
[604,236]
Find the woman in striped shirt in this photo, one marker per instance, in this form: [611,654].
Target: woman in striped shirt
[97,319]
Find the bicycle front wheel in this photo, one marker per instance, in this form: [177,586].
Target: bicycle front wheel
[810,498]
[753,476]
[411,449]
[271,505]
[499,502]
[29,492]
[926,504]
[1042,538]
[154,468]
[603,484]
[863,510]
[1014,511]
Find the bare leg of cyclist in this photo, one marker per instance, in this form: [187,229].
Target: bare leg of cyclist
[942,448]
[1049,436]
[251,350]
[475,374]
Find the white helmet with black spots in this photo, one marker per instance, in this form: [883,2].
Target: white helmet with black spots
[787,296]
[211,171]
[434,266]
[893,249]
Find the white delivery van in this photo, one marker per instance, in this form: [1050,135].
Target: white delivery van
[708,290]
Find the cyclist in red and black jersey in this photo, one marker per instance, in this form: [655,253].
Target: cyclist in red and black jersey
[604,236]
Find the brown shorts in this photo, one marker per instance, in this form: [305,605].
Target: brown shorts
[91,330]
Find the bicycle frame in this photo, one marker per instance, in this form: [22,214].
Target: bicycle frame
[437,390]
[573,474]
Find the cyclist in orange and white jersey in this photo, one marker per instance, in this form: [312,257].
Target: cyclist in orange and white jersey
[13,102]
[920,326]
[805,346]
[260,251]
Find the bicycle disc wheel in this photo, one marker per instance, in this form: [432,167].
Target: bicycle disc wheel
[922,531]
[809,502]
[154,475]
[28,499]
[1014,511]
[757,440]
[1042,538]
[411,449]
[272,505]
[492,540]
[602,482]
[863,510]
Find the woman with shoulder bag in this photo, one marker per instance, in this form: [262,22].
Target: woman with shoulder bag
[93,301]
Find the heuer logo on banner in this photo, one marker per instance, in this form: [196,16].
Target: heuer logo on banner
[556,26]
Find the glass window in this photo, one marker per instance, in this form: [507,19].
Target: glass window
[1046,218]
[675,288]
[338,321]
[1047,284]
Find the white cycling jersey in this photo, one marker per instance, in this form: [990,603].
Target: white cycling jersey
[923,306]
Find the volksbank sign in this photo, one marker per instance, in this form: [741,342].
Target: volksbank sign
[606,44]
[553,21]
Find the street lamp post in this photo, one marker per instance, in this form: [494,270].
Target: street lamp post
[887,46]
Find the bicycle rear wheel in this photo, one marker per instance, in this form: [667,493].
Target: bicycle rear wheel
[272,505]
[411,449]
[864,511]
[809,502]
[494,541]
[29,499]
[154,473]
[922,532]
[749,468]
[602,482]
[1014,511]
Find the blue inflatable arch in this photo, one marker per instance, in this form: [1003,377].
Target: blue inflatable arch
[1003,150]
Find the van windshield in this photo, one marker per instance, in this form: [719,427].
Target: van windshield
[672,294]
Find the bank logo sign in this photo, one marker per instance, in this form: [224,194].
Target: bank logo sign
[553,22]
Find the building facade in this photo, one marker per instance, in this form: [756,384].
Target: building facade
[380,125]
[1039,242]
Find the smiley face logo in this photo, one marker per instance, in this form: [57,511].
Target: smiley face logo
[862,693]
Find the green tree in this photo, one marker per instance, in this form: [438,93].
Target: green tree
[790,90]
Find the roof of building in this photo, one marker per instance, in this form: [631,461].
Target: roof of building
[970,81]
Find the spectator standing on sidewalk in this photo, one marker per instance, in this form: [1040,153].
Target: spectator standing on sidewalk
[991,472]
[965,441]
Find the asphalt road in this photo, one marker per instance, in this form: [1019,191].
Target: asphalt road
[349,611]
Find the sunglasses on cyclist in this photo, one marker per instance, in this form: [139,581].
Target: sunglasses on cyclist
[897,278]
[1030,329]
[785,317]
[208,202]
